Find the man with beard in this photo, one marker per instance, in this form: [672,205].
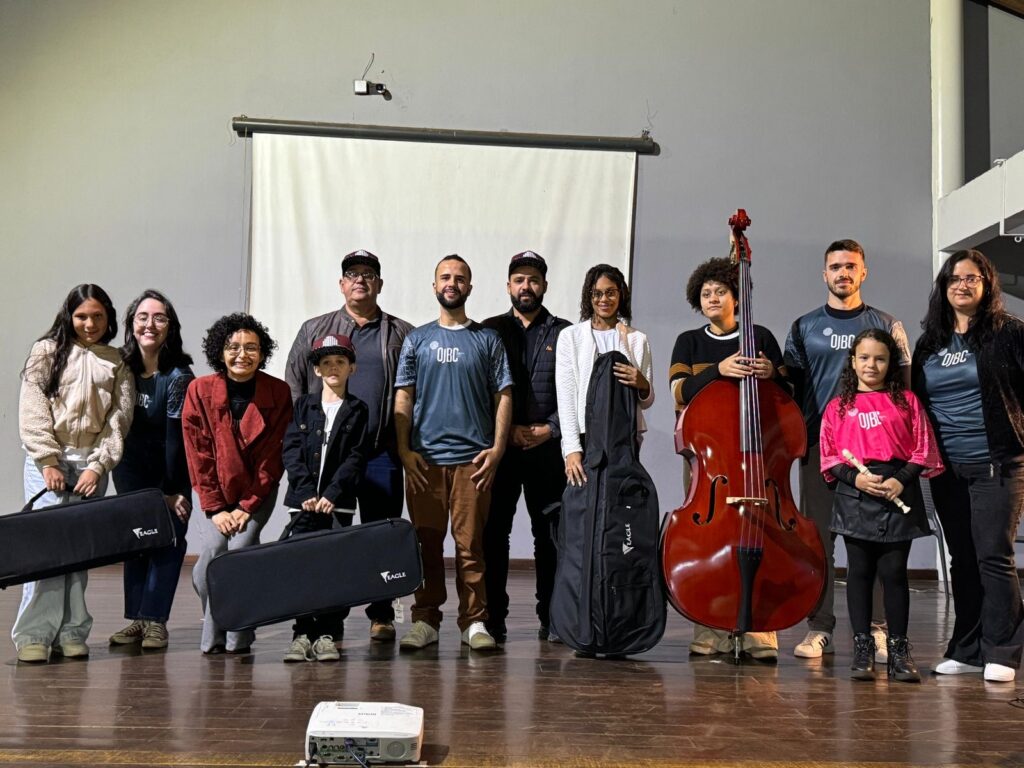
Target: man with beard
[453,405]
[377,338]
[817,350]
[532,463]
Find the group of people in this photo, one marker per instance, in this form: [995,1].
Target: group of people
[950,412]
[458,419]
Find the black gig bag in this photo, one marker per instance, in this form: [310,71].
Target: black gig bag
[312,573]
[608,597]
[37,544]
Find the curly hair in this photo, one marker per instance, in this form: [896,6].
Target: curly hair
[615,275]
[62,332]
[894,385]
[718,270]
[172,354]
[218,334]
[939,321]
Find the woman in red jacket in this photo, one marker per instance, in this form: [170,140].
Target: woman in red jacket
[233,422]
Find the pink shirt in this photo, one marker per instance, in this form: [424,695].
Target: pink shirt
[875,429]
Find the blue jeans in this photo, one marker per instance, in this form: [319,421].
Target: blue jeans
[150,579]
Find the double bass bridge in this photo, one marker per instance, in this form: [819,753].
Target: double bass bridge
[746,501]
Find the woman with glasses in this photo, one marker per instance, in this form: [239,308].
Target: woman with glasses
[706,354]
[968,370]
[234,422]
[605,314]
[154,457]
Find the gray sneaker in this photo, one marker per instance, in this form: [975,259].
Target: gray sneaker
[299,650]
[325,650]
[131,634]
[155,636]
[420,635]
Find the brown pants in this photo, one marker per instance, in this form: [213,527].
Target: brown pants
[450,492]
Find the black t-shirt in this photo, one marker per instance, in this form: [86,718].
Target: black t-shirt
[240,394]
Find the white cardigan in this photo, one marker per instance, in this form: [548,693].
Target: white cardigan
[574,362]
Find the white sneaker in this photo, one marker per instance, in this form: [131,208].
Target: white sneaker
[954,667]
[420,635]
[814,644]
[324,649]
[999,673]
[881,645]
[299,650]
[478,638]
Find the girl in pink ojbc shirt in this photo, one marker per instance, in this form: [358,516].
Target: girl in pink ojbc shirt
[878,511]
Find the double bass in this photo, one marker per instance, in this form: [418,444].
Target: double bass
[738,555]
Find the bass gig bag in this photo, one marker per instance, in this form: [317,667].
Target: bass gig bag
[37,544]
[608,597]
[313,573]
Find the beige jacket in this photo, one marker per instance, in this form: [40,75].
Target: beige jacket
[93,408]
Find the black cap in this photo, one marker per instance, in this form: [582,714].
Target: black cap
[528,259]
[360,257]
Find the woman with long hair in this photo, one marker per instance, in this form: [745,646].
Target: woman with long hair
[968,370]
[154,457]
[234,422]
[605,314]
[73,414]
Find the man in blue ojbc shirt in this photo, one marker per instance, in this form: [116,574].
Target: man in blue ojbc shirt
[453,406]
[817,351]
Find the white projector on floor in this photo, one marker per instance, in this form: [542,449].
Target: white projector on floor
[378,732]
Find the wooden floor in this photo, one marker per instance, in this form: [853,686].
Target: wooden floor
[532,705]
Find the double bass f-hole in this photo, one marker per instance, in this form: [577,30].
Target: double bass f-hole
[787,524]
[711,501]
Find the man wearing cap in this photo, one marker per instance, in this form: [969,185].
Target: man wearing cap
[452,410]
[532,463]
[377,339]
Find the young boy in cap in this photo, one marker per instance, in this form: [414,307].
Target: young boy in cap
[325,450]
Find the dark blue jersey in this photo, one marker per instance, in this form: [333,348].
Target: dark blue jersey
[818,349]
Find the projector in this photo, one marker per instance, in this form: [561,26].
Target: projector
[375,731]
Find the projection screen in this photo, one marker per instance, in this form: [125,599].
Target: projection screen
[315,199]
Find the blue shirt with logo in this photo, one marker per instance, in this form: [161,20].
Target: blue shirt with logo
[954,402]
[456,371]
[819,344]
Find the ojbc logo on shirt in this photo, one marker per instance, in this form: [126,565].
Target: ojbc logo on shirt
[445,354]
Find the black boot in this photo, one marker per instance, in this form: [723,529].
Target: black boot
[863,667]
[900,665]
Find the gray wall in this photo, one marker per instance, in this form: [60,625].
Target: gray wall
[1006,62]
[118,166]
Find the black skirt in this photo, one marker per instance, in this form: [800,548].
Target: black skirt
[872,518]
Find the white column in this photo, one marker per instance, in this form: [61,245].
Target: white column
[947,60]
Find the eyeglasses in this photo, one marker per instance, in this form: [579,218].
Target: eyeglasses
[365,276]
[611,293]
[971,281]
[236,349]
[160,321]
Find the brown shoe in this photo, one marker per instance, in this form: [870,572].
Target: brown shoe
[382,631]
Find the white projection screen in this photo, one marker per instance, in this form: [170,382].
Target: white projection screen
[315,199]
